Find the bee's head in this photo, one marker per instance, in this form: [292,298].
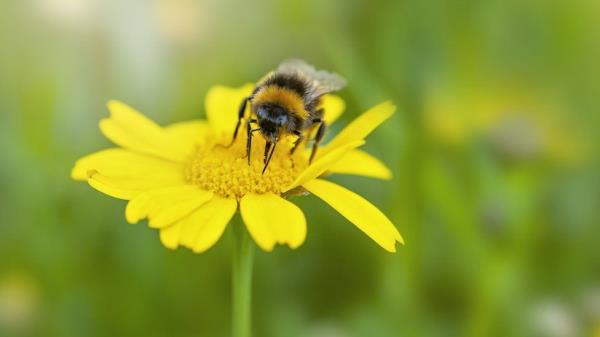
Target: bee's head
[272,120]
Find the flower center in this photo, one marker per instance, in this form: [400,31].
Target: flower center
[225,170]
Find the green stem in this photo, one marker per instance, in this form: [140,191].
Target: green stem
[243,255]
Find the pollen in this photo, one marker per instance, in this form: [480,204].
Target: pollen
[225,170]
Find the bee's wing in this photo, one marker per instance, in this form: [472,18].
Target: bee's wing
[323,81]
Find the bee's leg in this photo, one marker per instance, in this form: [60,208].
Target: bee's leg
[298,141]
[268,159]
[240,117]
[321,114]
[249,132]
[318,138]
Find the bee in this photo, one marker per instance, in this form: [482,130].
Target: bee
[286,102]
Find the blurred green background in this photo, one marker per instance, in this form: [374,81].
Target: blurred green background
[494,152]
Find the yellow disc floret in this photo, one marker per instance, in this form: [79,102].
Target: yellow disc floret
[225,170]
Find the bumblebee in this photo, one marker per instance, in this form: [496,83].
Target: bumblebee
[286,102]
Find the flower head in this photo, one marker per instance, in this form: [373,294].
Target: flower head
[188,183]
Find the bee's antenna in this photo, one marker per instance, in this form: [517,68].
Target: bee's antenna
[267,151]
[270,156]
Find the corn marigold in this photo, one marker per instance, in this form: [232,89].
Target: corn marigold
[189,186]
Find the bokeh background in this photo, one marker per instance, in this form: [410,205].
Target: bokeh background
[494,153]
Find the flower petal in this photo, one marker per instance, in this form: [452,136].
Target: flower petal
[126,188]
[222,105]
[322,164]
[271,219]
[333,106]
[125,163]
[357,162]
[169,236]
[203,228]
[361,127]
[165,206]
[124,174]
[130,129]
[184,136]
[359,211]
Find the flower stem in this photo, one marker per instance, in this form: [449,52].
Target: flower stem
[243,255]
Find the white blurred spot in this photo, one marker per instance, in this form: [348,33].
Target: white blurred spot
[138,54]
[553,319]
[66,13]
[182,21]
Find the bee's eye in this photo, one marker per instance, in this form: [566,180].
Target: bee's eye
[261,113]
[281,119]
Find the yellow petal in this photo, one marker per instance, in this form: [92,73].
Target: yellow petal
[124,174]
[359,211]
[271,219]
[334,106]
[357,162]
[322,164]
[126,164]
[174,212]
[130,129]
[361,127]
[222,106]
[203,228]
[169,236]
[165,206]
[125,189]
[185,136]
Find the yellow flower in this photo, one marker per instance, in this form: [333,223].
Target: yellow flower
[188,185]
